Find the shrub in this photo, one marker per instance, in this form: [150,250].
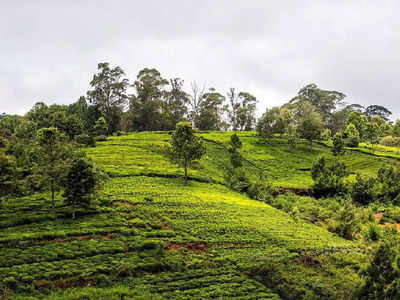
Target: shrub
[389,179]
[100,138]
[338,144]
[364,190]
[328,180]
[325,134]
[352,136]
[348,224]
[262,190]
[390,141]
[85,139]
[237,180]
[374,232]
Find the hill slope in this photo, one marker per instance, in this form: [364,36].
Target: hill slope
[152,237]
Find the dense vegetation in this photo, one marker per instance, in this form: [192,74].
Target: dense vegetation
[300,204]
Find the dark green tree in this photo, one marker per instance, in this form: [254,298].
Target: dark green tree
[80,184]
[101,127]
[378,110]
[8,181]
[242,110]
[53,154]
[381,282]
[211,109]
[185,147]
[108,94]
[324,101]
[309,123]
[174,107]
[146,105]
[338,144]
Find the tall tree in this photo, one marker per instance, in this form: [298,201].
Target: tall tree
[146,104]
[53,153]
[309,123]
[8,182]
[175,105]
[324,101]
[360,122]
[378,110]
[211,109]
[242,110]
[109,93]
[185,147]
[80,183]
[196,97]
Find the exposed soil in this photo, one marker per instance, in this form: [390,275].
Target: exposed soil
[194,247]
[299,192]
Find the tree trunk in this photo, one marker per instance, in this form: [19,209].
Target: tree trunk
[73,213]
[311,145]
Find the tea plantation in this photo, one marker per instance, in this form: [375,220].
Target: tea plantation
[150,236]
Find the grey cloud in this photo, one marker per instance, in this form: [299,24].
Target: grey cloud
[50,49]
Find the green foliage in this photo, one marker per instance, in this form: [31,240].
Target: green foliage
[8,182]
[53,154]
[359,121]
[338,144]
[348,223]
[328,180]
[242,110]
[390,141]
[101,127]
[364,190]
[85,139]
[309,123]
[109,94]
[389,179]
[351,135]
[210,110]
[146,104]
[262,190]
[80,183]
[382,278]
[186,148]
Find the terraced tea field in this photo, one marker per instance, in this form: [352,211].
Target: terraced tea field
[153,237]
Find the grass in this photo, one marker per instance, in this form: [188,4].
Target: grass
[153,237]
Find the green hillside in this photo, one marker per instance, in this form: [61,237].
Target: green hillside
[153,237]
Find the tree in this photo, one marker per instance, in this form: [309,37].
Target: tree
[109,94]
[195,100]
[242,109]
[378,110]
[372,132]
[359,121]
[396,128]
[80,183]
[269,123]
[53,154]
[101,127]
[174,108]
[328,180]
[324,101]
[381,280]
[211,108]
[8,182]
[309,123]
[235,144]
[185,148]
[146,105]
[352,136]
[338,144]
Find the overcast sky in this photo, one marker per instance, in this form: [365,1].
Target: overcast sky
[49,50]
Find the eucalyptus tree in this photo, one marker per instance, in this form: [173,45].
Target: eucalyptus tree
[108,94]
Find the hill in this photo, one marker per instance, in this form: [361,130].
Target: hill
[152,237]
